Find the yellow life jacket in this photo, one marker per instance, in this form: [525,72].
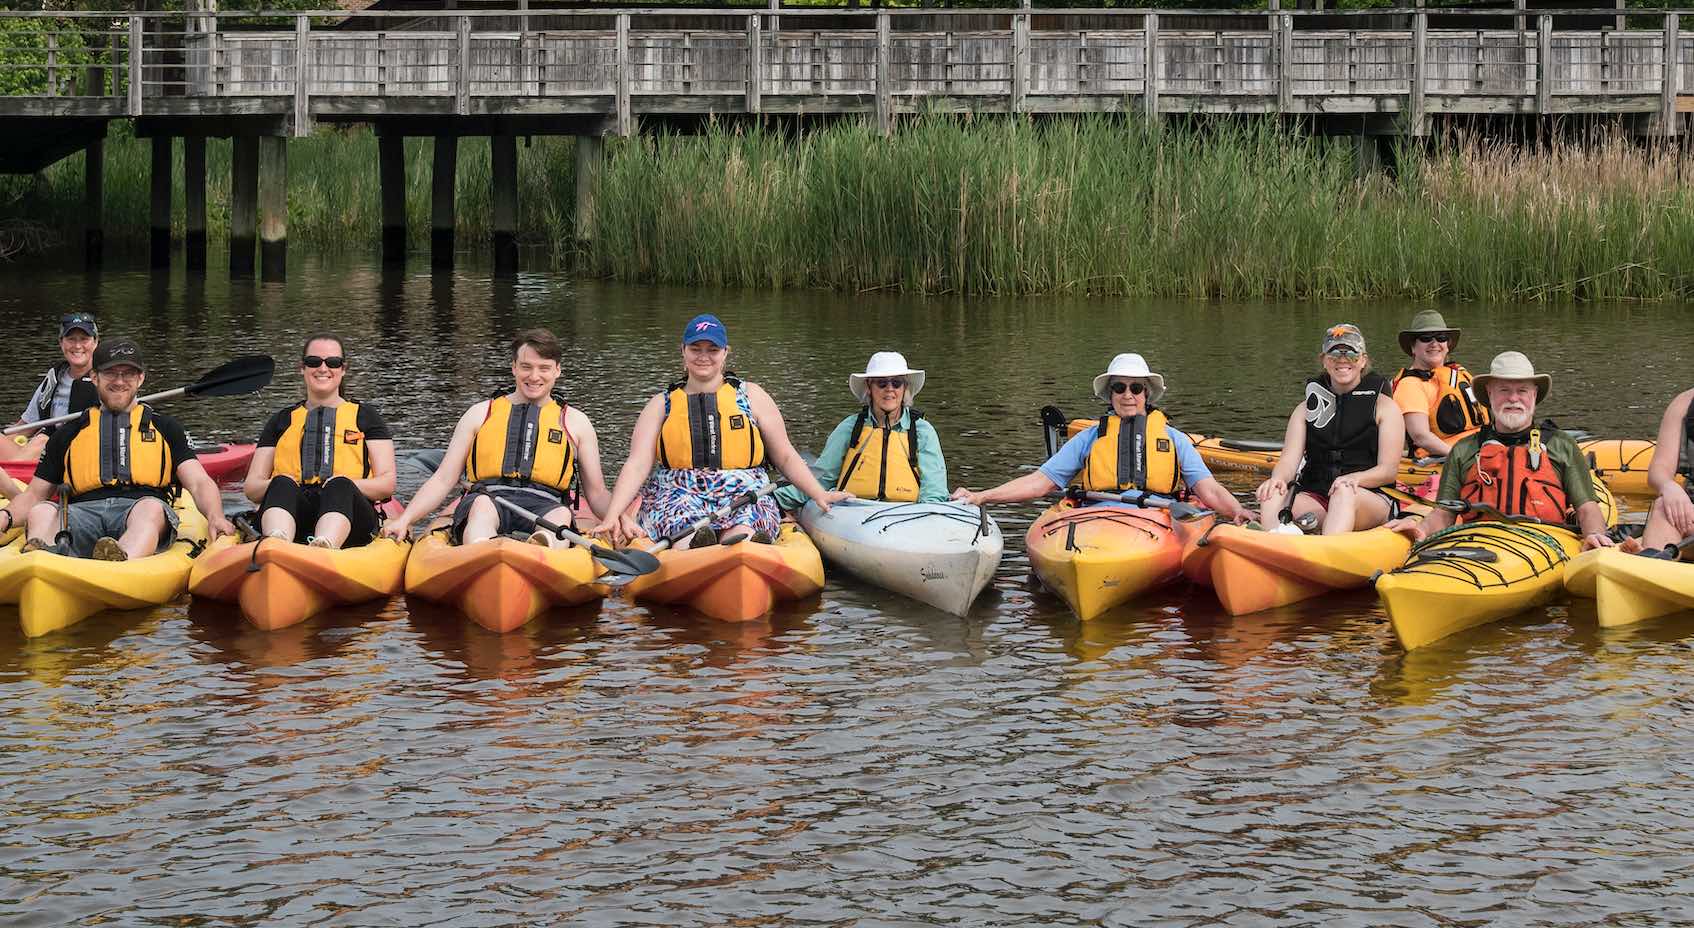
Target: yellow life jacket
[1123,457]
[322,443]
[522,443]
[1457,412]
[115,450]
[881,463]
[709,430]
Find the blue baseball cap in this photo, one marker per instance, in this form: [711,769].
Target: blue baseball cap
[705,328]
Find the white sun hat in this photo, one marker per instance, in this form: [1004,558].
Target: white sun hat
[1512,365]
[886,364]
[1129,365]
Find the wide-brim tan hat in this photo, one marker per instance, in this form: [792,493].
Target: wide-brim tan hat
[1512,365]
[1428,322]
[886,364]
[1133,366]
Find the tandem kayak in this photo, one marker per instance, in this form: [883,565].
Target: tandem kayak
[1099,557]
[1473,574]
[501,583]
[737,582]
[1255,570]
[225,463]
[1629,588]
[53,591]
[942,554]
[280,583]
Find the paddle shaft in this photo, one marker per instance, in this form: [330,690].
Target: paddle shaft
[1152,501]
[71,416]
[627,562]
[242,375]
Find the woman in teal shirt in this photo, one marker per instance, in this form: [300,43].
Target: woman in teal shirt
[886,450]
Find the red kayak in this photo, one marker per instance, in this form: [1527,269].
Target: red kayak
[226,463]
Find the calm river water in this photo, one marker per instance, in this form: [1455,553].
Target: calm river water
[858,759]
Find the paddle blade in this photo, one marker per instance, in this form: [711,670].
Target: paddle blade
[242,375]
[625,563]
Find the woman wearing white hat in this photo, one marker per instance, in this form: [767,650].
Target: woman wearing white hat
[1104,457]
[885,451]
[1343,442]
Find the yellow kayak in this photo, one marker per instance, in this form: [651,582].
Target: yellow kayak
[1629,588]
[734,583]
[1254,570]
[1473,574]
[501,583]
[279,583]
[54,592]
[1099,557]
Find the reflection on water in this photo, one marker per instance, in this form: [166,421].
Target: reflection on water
[856,759]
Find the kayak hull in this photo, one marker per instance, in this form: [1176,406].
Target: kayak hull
[734,583]
[501,584]
[54,592]
[1252,570]
[225,464]
[294,582]
[940,554]
[1474,574]
[1096,558]
[1629,588]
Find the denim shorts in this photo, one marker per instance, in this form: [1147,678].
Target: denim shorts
[89,522]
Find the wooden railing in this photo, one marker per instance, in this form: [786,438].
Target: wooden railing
[624,64]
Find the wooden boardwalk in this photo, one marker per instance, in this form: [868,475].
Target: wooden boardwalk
[621,66]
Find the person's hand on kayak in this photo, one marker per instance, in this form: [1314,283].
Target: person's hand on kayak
[623,530]
[1678,509]
[398,529]
[1597,540]
[1271,491]
[219,527]
[1407,526]
[830,498]
[968,496]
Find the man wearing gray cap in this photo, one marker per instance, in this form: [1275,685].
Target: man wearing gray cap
[1514,466]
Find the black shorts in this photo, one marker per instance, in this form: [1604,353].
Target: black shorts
[306,504]
[535,499]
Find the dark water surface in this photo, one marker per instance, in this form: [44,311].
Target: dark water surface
[858,759]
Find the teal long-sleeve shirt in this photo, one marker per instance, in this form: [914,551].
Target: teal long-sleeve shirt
[932,467]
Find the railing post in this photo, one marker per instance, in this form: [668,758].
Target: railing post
[1020,60]
[462,105]
[626,121]
[1420,71]
[884,99]
[1150,66]
[302,77]
[135,66]
[1668,80]
[1285,63]
[755,67]
[52,63]
[1544,64]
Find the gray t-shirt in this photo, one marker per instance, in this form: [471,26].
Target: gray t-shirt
[61,397]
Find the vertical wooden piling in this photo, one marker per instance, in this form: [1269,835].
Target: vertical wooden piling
[194,202]
[504,149]
[391,159]
[159,214]
[588,153]
[93,202]
[243,203]
[273,208]
[441,201]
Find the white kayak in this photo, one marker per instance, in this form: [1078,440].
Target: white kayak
[942,554]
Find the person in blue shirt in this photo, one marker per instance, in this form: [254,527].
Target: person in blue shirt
[885,451]
[1105,458]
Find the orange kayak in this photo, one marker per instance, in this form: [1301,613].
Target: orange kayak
[1100,557]
[501,583]
[279,583]
[1254,570]
[734,583]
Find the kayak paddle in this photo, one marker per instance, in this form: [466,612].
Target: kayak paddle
[242,375]
[630,562]
[728,509]
[1675,551]
[1177,508]
[1461,507]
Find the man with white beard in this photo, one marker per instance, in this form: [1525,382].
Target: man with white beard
[1514,466]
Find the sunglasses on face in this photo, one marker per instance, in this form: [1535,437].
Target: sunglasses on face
[1426,339]
[1343,354]
[1135,389]
[886,383]
[333,362]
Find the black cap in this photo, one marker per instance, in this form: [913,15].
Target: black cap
[118,353]
[70,322]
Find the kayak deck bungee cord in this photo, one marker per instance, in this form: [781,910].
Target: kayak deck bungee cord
[1099,557]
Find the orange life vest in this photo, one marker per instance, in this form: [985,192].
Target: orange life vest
[1457,412]
[1519,479]
[1122,457]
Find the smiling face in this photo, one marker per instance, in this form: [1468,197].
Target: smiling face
[704,360]
[887,394]
[534,374]
[118,386]
[1344,368]
[1429,350]
[78,349]
[1513,404]
[323,381]
[1129,395]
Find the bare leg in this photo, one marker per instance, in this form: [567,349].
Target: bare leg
[141,532]
[277,520]
[484,521]
[1659,531]
[43,522]
[558,515]
[334,528]
[1354,510]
